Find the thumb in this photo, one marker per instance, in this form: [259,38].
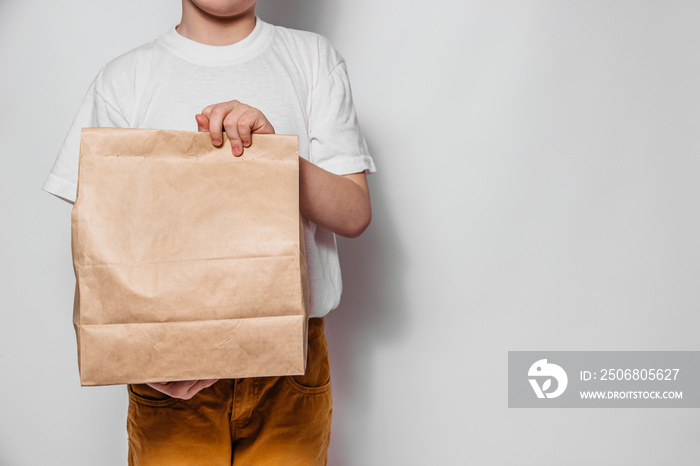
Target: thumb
[202,122]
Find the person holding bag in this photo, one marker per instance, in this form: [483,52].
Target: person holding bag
[223,70]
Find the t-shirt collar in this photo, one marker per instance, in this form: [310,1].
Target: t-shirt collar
[217,55]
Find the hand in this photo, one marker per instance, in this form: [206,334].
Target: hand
[237,119]
[184,390]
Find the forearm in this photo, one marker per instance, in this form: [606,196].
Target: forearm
[339,203]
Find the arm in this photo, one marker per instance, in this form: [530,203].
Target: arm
[339,203]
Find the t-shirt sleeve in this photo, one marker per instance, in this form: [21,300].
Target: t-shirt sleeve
[94,111]
[336,142]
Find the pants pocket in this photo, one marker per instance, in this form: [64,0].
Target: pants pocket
[317,378]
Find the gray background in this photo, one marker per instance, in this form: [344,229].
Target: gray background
[537,191]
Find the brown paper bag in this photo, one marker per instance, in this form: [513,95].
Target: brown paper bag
[189,262]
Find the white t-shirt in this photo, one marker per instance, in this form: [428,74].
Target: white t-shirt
[295,78]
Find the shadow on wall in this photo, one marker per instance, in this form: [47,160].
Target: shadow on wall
[370,316]
[370,313]
[307,15]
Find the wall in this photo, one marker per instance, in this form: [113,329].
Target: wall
[536,191]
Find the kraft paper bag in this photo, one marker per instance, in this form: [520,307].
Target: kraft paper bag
[189,262]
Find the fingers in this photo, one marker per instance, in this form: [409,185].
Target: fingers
[201,385]
[216,114]
[245,127]
[231,126]
[238,120]
[202,123]
[224,116]
[183,390]
[174,389]
[188,391]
